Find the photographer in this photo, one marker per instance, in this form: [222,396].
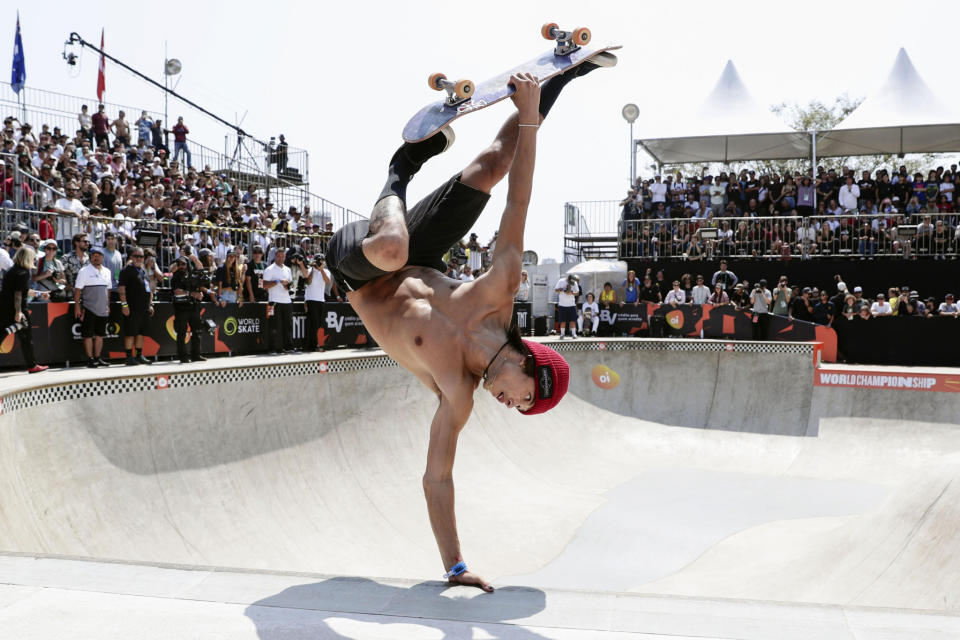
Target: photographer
[189,282]
[781,298]
[314,295]
[276,280]
[760,301]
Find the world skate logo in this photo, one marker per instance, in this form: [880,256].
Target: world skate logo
[471,106]
[545,382]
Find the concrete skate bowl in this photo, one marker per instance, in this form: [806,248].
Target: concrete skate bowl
[692,468]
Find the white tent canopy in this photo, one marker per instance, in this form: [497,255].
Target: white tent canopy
[730,125]
[903,116]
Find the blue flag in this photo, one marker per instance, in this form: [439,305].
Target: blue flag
[18,76]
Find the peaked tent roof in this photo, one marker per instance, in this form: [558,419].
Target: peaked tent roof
[730,125]
[903,116]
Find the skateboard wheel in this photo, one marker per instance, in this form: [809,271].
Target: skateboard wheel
[548,29]
[463,88]
[582,36]
[434,81]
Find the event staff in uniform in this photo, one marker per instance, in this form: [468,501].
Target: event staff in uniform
[187,296]
[13,304]
[136,304]
[276,280]
[91,305]
[314,295]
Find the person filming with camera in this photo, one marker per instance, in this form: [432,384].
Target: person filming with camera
[190,282]
[760,301]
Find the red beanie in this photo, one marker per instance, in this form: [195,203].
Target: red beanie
[552,374]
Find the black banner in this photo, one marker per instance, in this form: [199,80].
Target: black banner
[523,317]
[240,330]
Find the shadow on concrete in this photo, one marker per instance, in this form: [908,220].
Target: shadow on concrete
[355,608]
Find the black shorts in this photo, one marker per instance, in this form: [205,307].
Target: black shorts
[435,224]
[136,324]
[566,314]
[93,325]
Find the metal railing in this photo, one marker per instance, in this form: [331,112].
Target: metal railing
[43,194]
[593,229]
[166,237]
[259,167]
[62,110]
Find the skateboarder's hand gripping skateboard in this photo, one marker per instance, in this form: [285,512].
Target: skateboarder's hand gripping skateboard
[526,97]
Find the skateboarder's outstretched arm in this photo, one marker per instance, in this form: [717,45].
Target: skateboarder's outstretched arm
[505,271]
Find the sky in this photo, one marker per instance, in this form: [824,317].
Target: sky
[341,79]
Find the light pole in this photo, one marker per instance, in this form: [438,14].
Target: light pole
[630,113]
[171,67]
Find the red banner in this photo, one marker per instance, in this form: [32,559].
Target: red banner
[909,380]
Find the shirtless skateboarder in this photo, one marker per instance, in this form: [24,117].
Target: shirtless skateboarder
[454,336]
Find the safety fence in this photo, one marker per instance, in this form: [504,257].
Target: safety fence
[597,227]
[167,238]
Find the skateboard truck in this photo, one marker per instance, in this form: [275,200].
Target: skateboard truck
[457,92]
[567,41]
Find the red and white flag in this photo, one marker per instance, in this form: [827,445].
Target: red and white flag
[101,81]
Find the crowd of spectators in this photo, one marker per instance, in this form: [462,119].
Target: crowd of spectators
[846,213]
[724,287]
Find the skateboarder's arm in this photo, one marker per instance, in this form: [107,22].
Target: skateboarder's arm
[505,269]
[438,479]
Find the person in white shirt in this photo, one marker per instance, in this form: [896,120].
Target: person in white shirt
[948,307]
[849,194]
[91,306]
[276,280]
[71,210]
[881,307]
[589,312]
[523,289]
[700,293]
[676,295]
[567,288]
[658,191]
[314,295]
[467,275]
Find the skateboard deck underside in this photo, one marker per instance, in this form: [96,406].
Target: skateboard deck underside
[435,116]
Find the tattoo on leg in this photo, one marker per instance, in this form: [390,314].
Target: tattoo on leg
[389,209]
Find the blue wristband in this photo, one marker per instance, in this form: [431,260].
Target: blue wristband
[456,570]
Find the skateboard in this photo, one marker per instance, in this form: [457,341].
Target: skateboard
[464,97]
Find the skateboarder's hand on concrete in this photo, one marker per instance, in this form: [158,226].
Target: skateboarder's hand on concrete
[471,579]
[526,97]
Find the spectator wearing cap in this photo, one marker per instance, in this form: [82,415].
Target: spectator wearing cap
[228,279]
[14,295]
[801,308]
[881,307]
[136,304]
[187,296]
[859,302]
[10,245]
[276,280]
[317,279]
[91,305]
[761,300]
[50,276]
[144,124]
[948,307]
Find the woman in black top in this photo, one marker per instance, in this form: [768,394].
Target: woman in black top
[107,198]
[13,304]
